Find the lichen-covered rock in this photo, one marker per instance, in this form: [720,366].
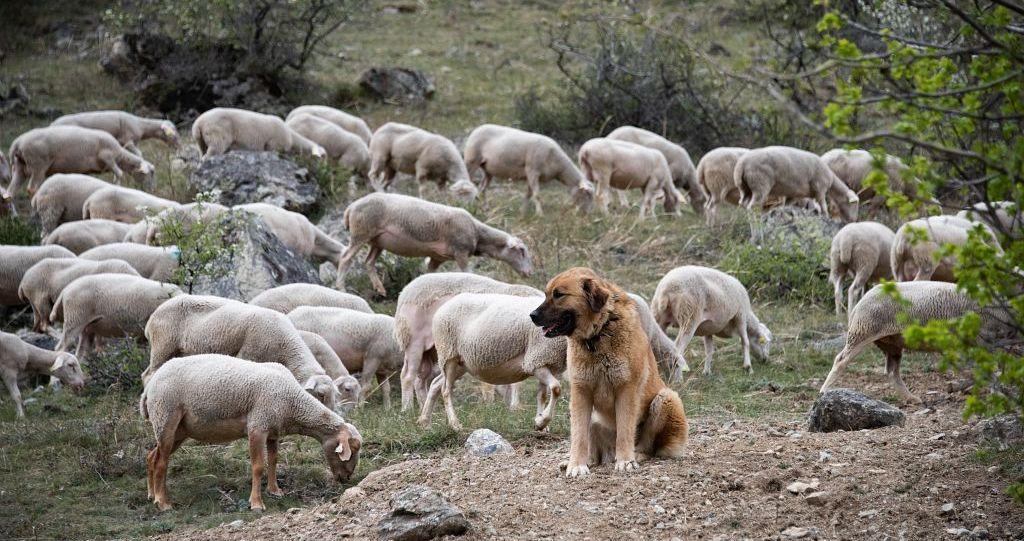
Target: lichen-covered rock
[257,177]
[846,409]
[485,442]
[397,85]
[38,339]
[419,513]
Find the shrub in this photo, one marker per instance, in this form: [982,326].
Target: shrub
[17,231]
[200,242]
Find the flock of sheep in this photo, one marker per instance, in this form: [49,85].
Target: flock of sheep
[283,363]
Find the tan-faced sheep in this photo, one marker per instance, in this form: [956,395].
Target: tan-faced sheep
[127,128]
[41,152]
[44,282]
[715,178]
[792,174]
[15,262]
[684,174]
[623,165]
[107,305]
[87,234]
[125,205]
[1001,216]
[154,262]
[348,385]
[706,302]
[503,152]
[343,147]
[412,227]
[853,166]
[297,233]
[364,342]
[400,148]
[860,250]
[912,260]
[195,324]
[19,359]
[222,129]
[61,197]
[217,399]
[346,121]
[288,297]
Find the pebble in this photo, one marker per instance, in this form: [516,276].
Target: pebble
[868,513]
[959,532]
[799,487]
[946,509]
[795,532]
[817,498]
[658,509]
[236,523]
[823,456]
[938,436]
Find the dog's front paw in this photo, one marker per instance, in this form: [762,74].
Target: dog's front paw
[578,470]
[626,465]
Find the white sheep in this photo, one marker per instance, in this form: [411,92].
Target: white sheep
[364,342]
[297,233]
[19,359]
[853,166]
[503,152]
[41,152]
[288,297]
[412,227]
[44,281]
[125,205]
[87,234]
[346,121]
[149,230]
[684,174]
[860,250]
[127,128]
[401,148]
[222,129]
[1002,216]
[216,399]
[792,173]
[609,163]
[670,359]
[715,178]
[491,337]
[15,262]
[912,260]
[343,147]
[706,302]
[61,196]
[348,385]
[154,262]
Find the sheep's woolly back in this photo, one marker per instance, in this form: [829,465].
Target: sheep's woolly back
[61,196]
[665,351]
[153,262]
[684,174]
[112,304]
[352,334]
[939,230]
[15,261]
[782,171]
[516,154]
[288,297]
[715,173]
[690,291]
[326,356]
[876,315]
[862,247]
[346,121]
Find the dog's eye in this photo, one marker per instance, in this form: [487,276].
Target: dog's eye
[557,295]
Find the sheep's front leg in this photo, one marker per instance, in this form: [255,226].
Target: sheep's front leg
[893,356]
[581,408]
[410,372]
[257,455]
[11,381]
[272,487]
[745,339]
[130,147]
[345,261]
[842,359]
[111,164]
[553,389]
[427,406]
[370,367]
[709,349]
[625,428]
[533,193]
[385,390]
[150,470]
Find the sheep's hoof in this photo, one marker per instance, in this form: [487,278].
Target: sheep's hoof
[456,426]
[424,422]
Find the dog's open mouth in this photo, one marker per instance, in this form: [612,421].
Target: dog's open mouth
[562,327]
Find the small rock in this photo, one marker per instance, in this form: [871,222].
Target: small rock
[485,442]
[796,532]
[958,532]
[658,509]
[817,498]
[420,513]
[946,508]
[846,409]
[925,411]
[938,436]
[774,432]
[823,456]
[799,487]
[933,456]
[293,510]
[868,513]
[979,533]
[353,493]
[397,85]
[235,524]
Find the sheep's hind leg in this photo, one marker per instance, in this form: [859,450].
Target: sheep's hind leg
[453,370]
[167,443]
[552,389]
[893,355]
[371,269]
[410,372]
[427,406]
[345,261]
[272,487]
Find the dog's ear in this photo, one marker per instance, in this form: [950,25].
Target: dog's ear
[596,296]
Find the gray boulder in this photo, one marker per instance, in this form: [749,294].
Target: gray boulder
[257,177]
[419,513]
[37,339]
[397,85]
[485,442]
[846,409]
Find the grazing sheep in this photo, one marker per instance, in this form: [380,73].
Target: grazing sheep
[1002,216]
[414,315]
[44,282]
[860,250]
[491,337]
[41,152]
[148,231]
[684,175]
[917,260]
[348,385]
[669,359]
[706,302]
[343,147]
[853,166]
[123,205]
[624,165]
[346,121]
[222,129]
[195,324]
[297,233]
[15,262]
[400,148]
[86,234]
[61,196]
[715,178]
[792,173]
[127,128]
[19,358]
[217,399]
[154,262]
[503,152]
[107,305]
[412,227]
[288,297]
[7,207]
[365,343]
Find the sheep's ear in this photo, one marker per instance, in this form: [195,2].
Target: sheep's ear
[57,363]
[853,198]
[596,296]
[344,450]
[310,386]
[762,339]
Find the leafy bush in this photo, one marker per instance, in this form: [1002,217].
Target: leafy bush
[200,241]
[17,231]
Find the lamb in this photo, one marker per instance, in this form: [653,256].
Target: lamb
[917,260]
[412,227]
[107,305]
[365,343]
[41,152]
[195,324]
[297,233]
[127,128]
[43,283]
[715,178]
[1002,216]
[15,262]
[123,205]
[61,196]
[343,147]
[19,358]
[684,175]
[216,399]
[792,173]
[504,152]
[414,315]
[400,148]
[491,337]
[288,297]
[624,165]
[706,302]
[222,129]
[670,359]
[348,386]
[154,262]
[853,166]
[860,250]
[346,121]
[86,234]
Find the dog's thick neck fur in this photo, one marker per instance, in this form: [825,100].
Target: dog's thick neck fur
[598,329]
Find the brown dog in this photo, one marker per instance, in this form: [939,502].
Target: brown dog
[619,405]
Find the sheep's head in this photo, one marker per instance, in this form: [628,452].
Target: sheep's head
[583,195]
[7,204]
[145,169]
[341,450]
[349,390]
[515,253]
[69,371]
[849,209]
[318,152]
[464,190]
[323,389]
[169,134]
[762,342]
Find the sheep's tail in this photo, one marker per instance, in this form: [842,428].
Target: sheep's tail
[58,309]
[586,167]
[143,409]
[86,210]
[18,166]
[345,218]
[899,255]
[738,179]
[21,292]
[197,134]
[701,175]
